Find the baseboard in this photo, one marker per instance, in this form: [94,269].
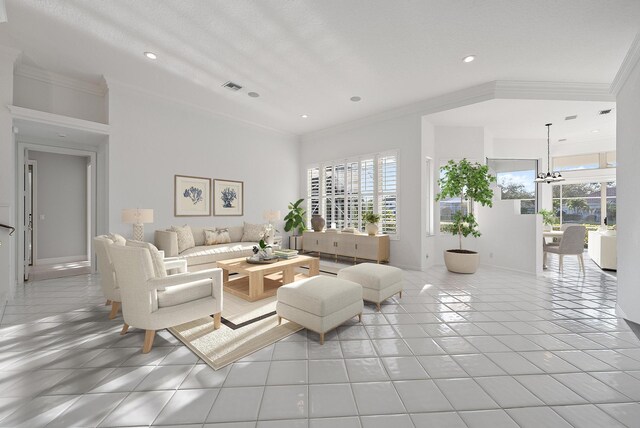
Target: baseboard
[67,259]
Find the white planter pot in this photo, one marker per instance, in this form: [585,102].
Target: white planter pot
[461,262]
[371,229]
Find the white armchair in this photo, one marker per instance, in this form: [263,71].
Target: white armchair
[152,303]
[108,280]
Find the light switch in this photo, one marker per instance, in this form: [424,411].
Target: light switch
[41,216]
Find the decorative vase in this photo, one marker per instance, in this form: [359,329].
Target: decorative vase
[317,222]
[371,229]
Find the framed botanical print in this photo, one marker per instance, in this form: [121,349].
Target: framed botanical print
[192,196]
[228,197]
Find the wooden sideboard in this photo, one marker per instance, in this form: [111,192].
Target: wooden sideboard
[347,245]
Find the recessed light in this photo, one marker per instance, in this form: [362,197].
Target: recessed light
[468,58]
[151,55]
[595,131]
[355,99]
[253,94]
[304,116]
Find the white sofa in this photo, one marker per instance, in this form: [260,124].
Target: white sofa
[204,256]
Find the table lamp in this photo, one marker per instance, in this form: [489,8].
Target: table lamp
[138,217]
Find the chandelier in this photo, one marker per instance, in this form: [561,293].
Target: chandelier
[550,176]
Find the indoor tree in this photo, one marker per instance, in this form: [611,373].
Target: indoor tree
[469,182]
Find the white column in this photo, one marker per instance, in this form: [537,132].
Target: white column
[8,243]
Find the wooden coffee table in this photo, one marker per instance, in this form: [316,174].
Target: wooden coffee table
[257,282]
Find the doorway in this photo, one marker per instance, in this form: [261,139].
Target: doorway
[58,211]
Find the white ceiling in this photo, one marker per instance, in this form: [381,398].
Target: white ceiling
[310,57]
[526,119]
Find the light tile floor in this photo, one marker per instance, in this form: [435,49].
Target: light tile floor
[494,349]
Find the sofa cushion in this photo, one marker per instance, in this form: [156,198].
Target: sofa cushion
[216,236]
[235,233]
[320,295]
[254,232]
[156,257]
[213,253]
[198,235]
[185,237]
[183,293]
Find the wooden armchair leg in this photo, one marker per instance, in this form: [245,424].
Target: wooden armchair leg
[322,338]
[279,320]
[124,330]
[378,307]
[148,340]
[108,303]
[217,319]
[115,307]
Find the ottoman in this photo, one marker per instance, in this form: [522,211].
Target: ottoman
[379,282]
[319,303]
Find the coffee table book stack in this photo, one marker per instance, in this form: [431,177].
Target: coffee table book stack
[286,254]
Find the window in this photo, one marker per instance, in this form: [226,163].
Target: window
[343,190]
[576,162]
[515,177]
[611,203]
[579,203]
[610,159]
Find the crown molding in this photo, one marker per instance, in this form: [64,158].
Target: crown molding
[56,79]
[569,91]
[114,83]
[500,89]
[12,54]
[58,120]
[628,64]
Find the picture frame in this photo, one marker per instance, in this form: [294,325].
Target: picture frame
[228,197]
[192,196]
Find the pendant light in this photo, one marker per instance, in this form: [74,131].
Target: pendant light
[550,176]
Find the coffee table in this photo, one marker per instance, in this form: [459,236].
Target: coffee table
[261,281]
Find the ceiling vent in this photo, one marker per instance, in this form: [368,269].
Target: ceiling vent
[607,111]
[562,139]
[232,86]
[571,117]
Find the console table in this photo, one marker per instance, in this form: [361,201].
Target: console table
[347,245]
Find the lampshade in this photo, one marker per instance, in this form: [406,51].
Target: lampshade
[271,215]
[137,215]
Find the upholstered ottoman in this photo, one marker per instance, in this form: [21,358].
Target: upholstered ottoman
[379,282]
[319,303]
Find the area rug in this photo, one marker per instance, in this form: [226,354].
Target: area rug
[221,347]
[246,328]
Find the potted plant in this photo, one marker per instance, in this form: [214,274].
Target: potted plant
[469,182]
[294,220]
[371,222]
[548,219]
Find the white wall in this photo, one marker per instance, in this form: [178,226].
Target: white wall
[62,200]
[509,239]
[152,139]
[36,94]
[402,134]
[628,182]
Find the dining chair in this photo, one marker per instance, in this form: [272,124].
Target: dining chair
[572,244]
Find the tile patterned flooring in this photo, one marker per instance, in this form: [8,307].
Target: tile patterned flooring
[494,349]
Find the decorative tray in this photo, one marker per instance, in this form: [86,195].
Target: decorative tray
[262,261]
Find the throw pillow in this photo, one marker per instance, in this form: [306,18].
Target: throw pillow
[156,258]
[254,232]
[185,237]
[216,236]
[117,239]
